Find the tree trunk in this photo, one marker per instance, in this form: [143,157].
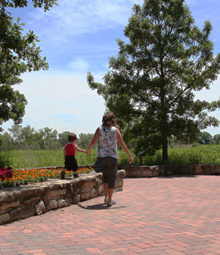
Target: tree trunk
[165,151]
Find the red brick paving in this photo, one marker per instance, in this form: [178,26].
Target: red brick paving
[153,216]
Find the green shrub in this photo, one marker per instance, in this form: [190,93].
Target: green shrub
[195,144]
[203,154]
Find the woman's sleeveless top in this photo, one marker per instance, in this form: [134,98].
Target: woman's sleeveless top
[107,142]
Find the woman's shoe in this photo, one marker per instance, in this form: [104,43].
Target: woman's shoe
[105,200]
[110,203]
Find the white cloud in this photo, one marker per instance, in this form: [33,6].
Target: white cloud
[71,19]
[212,94]
[61,101]
[79,64]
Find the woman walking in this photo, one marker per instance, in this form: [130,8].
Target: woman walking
[108,134]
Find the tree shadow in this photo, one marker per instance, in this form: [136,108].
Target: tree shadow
[185,176]
[178,176]
[166,176]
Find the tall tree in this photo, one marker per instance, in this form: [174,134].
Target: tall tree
[18,54]
[84,140]
[151,84]
[63,138]
[205,138]
[216,139]
[48,138]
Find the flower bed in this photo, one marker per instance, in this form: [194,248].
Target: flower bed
[11,178]
[5,173]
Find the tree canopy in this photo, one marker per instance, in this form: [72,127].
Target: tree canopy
[216,139]
[46,4]
[151,83]
[27,138]
[18,54]
[205,138]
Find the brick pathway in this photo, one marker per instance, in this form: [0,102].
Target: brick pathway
[174,215]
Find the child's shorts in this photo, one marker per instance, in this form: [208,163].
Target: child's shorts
[71,163]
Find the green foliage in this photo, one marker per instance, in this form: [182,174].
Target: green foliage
[203,154]
[5,159]
[18,54]
[27,138]
[216,139]
[204,138]
[42,158]
[46,4]
[195,144]
[151,84]
[84,140]
[63,138]
[34,158]
[123,157]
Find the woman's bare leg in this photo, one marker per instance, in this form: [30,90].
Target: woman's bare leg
[110,192]
[105,189]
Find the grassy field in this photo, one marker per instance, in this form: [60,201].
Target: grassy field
[41,158]
[204,154]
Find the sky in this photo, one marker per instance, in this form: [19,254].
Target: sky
[79,36]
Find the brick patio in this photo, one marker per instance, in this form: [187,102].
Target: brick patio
[172,215]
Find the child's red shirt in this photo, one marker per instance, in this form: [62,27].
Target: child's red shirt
[70,149]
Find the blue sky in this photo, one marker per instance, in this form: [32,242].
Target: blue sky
[79,36]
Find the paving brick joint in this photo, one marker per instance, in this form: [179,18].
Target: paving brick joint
[164,215]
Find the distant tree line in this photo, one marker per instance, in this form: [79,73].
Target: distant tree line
[206,138]
[203,138]
[27,138]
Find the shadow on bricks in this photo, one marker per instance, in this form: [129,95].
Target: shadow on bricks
[99,207]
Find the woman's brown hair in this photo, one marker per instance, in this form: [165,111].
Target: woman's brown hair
[109,120]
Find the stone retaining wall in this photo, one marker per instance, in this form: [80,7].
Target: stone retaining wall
[154,171]
[36,198]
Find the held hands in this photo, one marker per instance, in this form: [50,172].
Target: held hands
[88,151]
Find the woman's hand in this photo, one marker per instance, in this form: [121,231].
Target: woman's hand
[88,151]
[130,159]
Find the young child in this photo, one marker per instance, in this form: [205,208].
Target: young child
[69,153]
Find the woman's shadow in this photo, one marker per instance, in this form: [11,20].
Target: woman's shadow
[99,207]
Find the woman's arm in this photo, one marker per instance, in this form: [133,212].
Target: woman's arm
[123,145]
[94,140]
